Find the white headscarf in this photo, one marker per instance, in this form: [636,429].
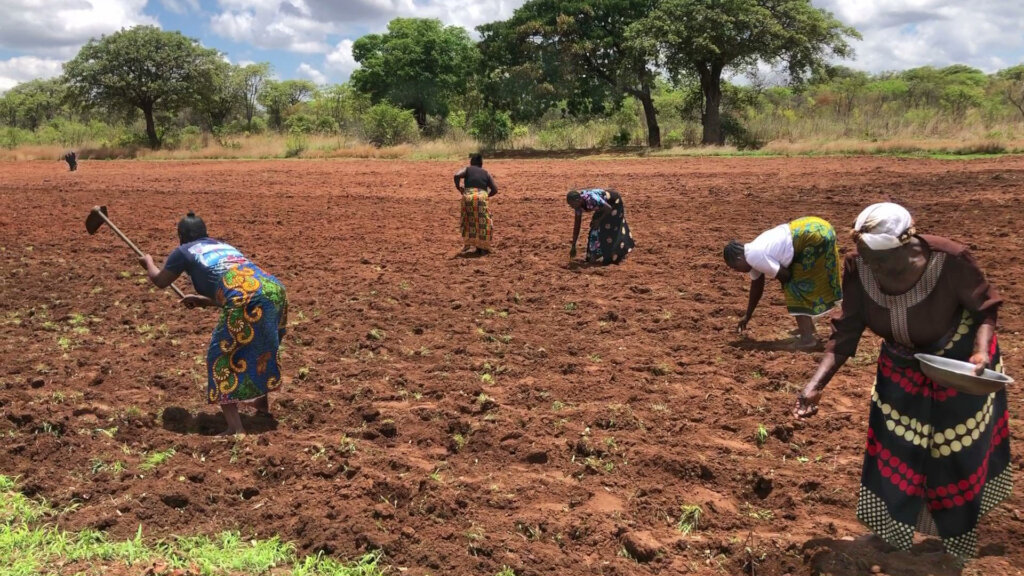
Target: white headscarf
[884,226]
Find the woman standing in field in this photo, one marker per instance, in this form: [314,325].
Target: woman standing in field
[804,257]
[242,359]
[609,240]
[476,186]
[937,459]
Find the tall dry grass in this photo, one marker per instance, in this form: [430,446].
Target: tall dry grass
[32,152]
[280,146]
[780,134]
[258,147]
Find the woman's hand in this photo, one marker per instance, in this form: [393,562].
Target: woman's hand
[196,301]
[807,401]
[742,327]
[980,361]
[146,261]
[784,275]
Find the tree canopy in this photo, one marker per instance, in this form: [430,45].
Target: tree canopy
[557,74]
[706,37]
[141,67]
[32,103]
[278,96]
[418,64]
[578,47]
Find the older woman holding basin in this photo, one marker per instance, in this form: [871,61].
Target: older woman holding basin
[937,460]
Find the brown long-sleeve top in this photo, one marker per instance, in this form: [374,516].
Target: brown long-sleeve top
[923,315]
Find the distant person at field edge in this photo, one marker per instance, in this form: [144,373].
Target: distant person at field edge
[72,159]
[242,359]
[476,186]
[804,257]
[936,460]
[609,240]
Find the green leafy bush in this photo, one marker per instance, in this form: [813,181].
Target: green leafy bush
[492,127]
[387,125]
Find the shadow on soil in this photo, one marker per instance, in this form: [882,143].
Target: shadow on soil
[866,554]
[785,345]
[179,420]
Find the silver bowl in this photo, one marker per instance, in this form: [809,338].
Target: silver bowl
[960,375]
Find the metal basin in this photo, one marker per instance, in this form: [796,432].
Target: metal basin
[960,375]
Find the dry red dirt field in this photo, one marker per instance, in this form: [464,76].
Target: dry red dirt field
[468,414]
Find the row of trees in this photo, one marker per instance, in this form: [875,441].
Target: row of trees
[576,59]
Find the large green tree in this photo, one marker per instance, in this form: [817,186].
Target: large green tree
[279,97]
[250,81]
[218,100]
[343,104]
[30,104]
[1011,84]
[705,38]
[576,50]
[418,64]
[142,67]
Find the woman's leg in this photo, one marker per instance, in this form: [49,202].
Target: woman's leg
[262,404]
[806,330]
[233,418]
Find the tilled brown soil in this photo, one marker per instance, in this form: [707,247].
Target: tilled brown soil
[467,414]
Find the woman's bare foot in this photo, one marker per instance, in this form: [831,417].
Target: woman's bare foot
[234,420]
[806,342]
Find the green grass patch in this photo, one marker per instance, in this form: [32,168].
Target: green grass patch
[689,519]
[155,459]
[30,546]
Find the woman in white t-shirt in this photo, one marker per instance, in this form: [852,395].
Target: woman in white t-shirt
[804,257]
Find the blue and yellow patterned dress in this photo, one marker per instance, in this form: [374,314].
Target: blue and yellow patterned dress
[242,362]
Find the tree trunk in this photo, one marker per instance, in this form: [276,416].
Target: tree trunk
[147,111]
[651,115]
[421,117]
[1018,103]
[711,86]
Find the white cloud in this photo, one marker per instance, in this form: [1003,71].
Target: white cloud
[900,34]
[341,60]
[60,27]
[181,6]
[307,71]
[23,68]
[307,26]
[272,25]
[353,15]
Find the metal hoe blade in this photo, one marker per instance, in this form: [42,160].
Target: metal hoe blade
[98,217]
[95,219]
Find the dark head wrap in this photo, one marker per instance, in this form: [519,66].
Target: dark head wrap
[476,160]
[191,228]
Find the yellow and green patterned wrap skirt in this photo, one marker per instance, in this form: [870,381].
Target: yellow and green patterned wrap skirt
[242,361]
[476,219]
[815,286]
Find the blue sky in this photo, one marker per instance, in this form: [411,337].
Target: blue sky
[312,38]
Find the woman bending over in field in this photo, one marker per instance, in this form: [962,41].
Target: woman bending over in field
[476,186]
[804,257]
[242,359]
[936,460]
[609,240]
